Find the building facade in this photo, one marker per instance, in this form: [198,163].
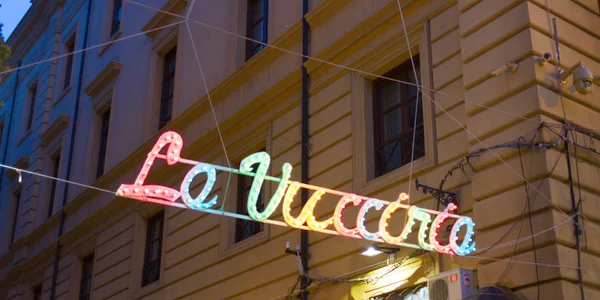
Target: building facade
[117,74]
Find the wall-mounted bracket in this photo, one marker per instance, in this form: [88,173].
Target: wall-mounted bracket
[444,197]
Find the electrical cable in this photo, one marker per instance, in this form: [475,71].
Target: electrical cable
[210,102]
[498,246]
[355,70]
[207,91]
[535,259]
[577,230]
[352,69]
[18,170]
[270,46]
[580,200]
[414,69]
[345,275]
[321,280]
[522,217]
[505,272]
[91,47]
[340,278]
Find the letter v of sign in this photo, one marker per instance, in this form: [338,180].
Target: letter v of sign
[156,193]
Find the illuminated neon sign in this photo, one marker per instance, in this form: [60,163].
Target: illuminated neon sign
[430,221]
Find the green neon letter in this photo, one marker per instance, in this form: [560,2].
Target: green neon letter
[264,160]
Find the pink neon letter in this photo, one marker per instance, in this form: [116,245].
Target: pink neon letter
[143,192]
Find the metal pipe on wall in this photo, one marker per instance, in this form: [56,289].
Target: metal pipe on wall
[70,155]
[304,281]
[10,118]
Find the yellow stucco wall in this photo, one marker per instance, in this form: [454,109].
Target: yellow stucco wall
[258,105]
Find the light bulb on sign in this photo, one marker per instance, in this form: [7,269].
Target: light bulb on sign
[360,219]
[198,202]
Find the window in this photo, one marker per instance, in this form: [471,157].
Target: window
[17,199]
[32,96]
[257,25]
[168,88]
[69,49]
[87,268]
[116,17]
[37,292]
[246,228]
[394,116]
[55,167]
[154,237]
[104,126]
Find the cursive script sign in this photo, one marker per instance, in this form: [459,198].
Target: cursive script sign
[430,221]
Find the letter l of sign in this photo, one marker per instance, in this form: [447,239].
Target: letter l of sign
[142,192]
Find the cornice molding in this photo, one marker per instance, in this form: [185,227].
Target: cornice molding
[161,18]
[106,75]
[31,26]
[319,14]
[384,15]
[56,128]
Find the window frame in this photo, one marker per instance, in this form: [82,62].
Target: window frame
[158,217]
[250,24]
[380,62]
[244,183]
[261,138]
[103,142]
[70,46]
[32,97]
[116,18]
[402,72]
[167,100]
[17,199]
[55,162]
[84,261]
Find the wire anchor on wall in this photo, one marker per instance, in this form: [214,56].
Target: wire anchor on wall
[444,197]
[297,252]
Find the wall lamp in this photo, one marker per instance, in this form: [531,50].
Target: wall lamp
[504,68]
[373,250]
[583,79]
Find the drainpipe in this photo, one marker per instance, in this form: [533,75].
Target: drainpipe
[10,117]
[575,208]
[305,282]
[70,157]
